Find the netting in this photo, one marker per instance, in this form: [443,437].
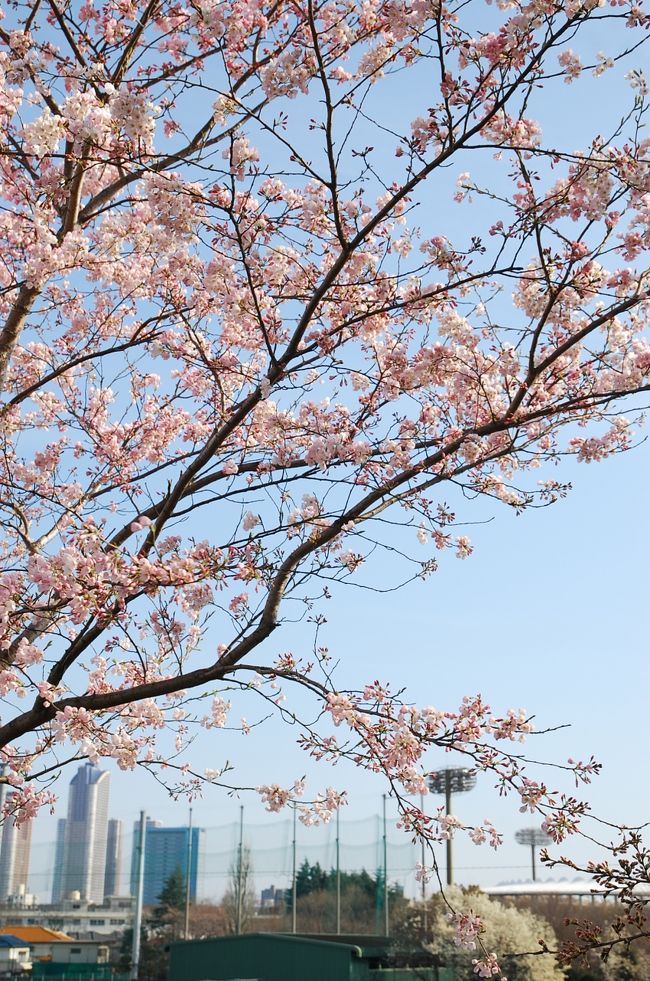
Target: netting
[270,847]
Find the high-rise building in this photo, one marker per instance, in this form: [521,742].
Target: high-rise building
[166,852]
[59,852]
[135,852]
[84,852]
[14,855]
[113,858]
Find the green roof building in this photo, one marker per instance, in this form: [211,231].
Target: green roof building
[289,957]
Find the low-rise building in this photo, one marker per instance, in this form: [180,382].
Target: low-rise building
[77,917]
[58,947]
[15,957]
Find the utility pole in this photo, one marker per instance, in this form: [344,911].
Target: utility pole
[137,919]
[294,887]
[338,870]
[240,870]
[423,884]
[386,911]
[188,879]
[450,864]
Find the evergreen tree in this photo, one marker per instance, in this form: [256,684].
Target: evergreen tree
[361,887]
[172,894]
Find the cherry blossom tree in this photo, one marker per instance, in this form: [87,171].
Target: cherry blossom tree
[242,351]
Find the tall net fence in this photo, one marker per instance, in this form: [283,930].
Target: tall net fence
[365,852]
[271,854]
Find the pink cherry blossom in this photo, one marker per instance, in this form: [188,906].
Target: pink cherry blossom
[468,929]
[488,967]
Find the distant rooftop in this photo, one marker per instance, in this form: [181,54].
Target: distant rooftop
[38,934]
[9,940]
[89,774]
[578,887]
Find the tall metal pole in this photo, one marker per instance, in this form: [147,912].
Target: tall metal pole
[450,868]
[338,871]
[294,886]
[240,870]
[386,911]
[534,837]
[139,893]
[423,884]
[188,880]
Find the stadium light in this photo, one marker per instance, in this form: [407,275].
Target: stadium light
[450,781]
[534,838]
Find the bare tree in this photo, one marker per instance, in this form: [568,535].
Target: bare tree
[239,898]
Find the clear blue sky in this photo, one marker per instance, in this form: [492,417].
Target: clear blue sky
[550,613]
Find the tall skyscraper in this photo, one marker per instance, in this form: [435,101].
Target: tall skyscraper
[14,854]
[113,858]
[166,852]
[59,852]
[84,852]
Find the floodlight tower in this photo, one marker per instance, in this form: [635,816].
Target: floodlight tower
[535,838]
[451,781]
